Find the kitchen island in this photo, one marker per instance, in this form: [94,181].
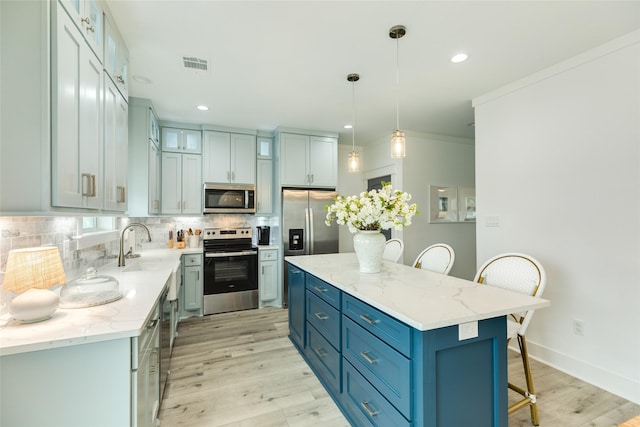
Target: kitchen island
[403,347]
[81,366]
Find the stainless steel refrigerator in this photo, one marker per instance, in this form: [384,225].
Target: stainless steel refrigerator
[304,231]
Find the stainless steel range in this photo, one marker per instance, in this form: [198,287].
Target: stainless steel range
[230,270]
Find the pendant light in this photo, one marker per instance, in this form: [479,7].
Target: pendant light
[397,138]
[353,160]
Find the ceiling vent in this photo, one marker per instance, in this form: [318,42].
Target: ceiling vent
[191,62]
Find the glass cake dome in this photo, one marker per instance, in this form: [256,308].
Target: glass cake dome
[89,290]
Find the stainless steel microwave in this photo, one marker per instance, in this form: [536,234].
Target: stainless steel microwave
[229,198]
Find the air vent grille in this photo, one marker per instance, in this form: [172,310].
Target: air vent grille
[195,63]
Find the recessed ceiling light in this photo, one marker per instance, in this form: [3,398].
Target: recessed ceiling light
[142,79]
[460,57]
[348,126]
[202,108]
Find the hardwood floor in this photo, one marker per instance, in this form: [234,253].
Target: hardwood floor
[240,369]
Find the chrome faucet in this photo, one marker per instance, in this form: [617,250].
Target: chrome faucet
[133,224]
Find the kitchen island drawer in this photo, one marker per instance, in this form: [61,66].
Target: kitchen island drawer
[324,359]
[324,290]
[365,404]
[324,318]
[386,369]
[388,329]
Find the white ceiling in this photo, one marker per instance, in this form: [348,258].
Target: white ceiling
[284,63]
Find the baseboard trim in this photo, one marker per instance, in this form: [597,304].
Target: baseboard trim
[606,380]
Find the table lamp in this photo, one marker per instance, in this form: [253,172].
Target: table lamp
[30,273]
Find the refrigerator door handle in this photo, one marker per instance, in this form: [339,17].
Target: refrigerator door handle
[311,236]
[307,237]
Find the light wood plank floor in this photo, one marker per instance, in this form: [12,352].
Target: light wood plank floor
[240,369]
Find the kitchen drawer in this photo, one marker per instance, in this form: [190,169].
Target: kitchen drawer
[365,404]
[324,317]
[385,368]
[388,329]
[324,290]
[191,260]
[325,359]
[268,254]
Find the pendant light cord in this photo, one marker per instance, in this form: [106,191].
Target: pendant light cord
[398,83]
[353,116]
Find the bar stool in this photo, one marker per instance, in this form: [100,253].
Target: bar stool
[520,273]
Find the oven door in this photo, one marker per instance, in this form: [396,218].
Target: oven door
[230,281]
[230,272]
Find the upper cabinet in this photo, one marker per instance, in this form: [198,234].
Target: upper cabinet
[116,57]
[229,158]
[144,159]
[181,140]
[76,118]
[72,111]
[307,160]
[87,17]
[116,119]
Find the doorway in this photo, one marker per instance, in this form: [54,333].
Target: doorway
[376,184]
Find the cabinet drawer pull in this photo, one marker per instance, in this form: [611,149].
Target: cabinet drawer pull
[319,289]
[321,352]
[367,407]
[368,358]
[152,324]
[321,316]
[368,319]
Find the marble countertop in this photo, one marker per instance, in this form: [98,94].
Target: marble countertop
[124,318]
[419,298]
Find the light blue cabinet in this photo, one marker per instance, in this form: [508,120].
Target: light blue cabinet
[382,372]
[191,292]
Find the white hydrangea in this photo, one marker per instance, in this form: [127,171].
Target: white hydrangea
[373,210]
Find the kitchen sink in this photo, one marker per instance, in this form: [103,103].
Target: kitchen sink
[144,266]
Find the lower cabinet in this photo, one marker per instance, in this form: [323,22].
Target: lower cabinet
[382,372]
[268,276]
[98,384]
[191,295]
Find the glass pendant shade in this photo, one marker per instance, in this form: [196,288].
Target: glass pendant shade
[398,145]
[353,162]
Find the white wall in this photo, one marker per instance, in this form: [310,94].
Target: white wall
[431,160]
[557,163]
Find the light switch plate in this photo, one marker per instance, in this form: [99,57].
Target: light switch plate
[467,330]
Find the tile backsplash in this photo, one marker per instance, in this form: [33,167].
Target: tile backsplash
[26,231]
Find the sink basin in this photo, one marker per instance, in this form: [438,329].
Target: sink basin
[144,266]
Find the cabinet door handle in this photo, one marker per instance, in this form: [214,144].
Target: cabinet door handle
[263,270]
[368,319]
[321,316]
[121,194]
[91,28]
[311,178]
[233,176]
[321,352]
[153,368]
[319,289]
[86,192]
[366,356]
[367,407]
[85,21]
[120,79]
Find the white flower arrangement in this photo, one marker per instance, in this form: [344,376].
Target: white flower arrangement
[373,210]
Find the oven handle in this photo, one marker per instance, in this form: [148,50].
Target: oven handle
[226,254]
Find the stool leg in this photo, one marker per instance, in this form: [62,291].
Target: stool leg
[533,406]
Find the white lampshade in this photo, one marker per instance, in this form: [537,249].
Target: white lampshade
[30,273]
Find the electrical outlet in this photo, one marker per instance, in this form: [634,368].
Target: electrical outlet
[578,327]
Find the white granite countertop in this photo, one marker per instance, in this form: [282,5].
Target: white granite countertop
[124,318]
[419,298]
